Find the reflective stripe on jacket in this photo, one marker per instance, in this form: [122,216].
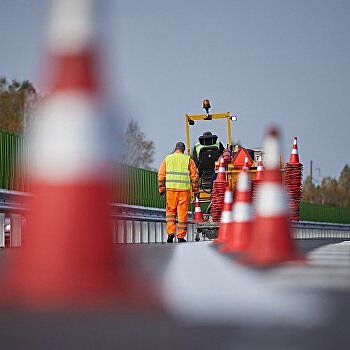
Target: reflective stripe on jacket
[176,171]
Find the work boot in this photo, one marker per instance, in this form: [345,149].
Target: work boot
[171,238]
[181,240]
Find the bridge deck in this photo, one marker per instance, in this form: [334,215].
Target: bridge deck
[303,306]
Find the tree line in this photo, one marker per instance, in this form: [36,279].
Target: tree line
[19,98]
[331,191]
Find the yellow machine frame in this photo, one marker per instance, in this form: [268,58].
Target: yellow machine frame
[192,117]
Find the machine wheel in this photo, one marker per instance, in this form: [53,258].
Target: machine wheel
[197,238]
[210,233]
[205,182]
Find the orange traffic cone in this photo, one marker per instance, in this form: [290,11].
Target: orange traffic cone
[294,156]
[271,241]
[69,258]
[259,170]
[221,176]
[226,217]
[198,215]
[242,216]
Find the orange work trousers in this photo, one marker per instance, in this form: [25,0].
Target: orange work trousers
[177,203]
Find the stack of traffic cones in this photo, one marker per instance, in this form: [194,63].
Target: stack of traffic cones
[218,192]
[293,182]
[226,217]
[198,215]
[242,216]
[69,258]
[271,242]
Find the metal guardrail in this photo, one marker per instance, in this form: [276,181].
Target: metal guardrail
[314,230]
[137,224]
[13,211]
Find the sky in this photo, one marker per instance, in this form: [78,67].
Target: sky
[269,62]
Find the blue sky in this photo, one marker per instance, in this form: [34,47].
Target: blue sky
[267,61]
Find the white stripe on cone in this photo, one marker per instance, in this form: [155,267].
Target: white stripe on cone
[272,156]
[71,26]
[70,141]
[226,215]
[271,200]
[243,183]
[242,212]
[228,197]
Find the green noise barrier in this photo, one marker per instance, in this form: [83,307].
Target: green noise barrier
[324,213]
[130,185]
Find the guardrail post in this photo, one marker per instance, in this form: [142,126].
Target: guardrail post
[126,238]
[16,230]
[158,232]
[2,230]
[114,224]
[129,232]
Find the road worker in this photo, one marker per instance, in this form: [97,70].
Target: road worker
[177,174]
[204,141]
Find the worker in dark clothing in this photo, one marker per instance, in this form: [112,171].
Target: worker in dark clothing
[205,141]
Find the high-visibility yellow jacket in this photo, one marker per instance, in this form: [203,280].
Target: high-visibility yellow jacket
[177,172]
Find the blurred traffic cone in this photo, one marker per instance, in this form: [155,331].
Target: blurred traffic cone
[221,176]
[271,242]
[259,170]
[226,217]
[242,216]
[69,258]
[294,156]
[198,215]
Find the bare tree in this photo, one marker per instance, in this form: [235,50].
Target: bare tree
[16,99]
[138,151]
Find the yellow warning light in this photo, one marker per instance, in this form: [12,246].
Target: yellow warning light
[206,104]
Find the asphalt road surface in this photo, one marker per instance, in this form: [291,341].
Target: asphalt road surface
[203,299]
